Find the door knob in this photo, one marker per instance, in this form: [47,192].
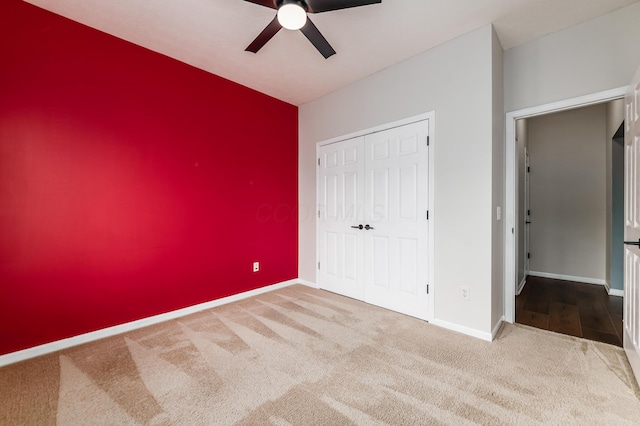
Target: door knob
[367,227]
[357,226]
[633,243]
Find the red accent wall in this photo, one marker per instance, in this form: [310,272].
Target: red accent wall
[131,184]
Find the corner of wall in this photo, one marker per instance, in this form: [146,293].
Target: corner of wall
[498,179]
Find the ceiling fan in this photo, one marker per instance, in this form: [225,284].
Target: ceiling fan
[292,15]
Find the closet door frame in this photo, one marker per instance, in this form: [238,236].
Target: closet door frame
[430,116]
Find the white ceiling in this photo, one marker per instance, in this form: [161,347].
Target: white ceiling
[212,34]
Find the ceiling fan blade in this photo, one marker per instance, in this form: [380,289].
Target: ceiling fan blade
[266,3]
[266,35]
[317,39]
[317,6]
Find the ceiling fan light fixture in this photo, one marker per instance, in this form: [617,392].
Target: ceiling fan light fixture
[292,16]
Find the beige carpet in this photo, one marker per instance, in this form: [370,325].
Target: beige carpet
[300,356]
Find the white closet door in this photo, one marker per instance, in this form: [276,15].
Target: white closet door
[631,338]
[396,200]
[341,206]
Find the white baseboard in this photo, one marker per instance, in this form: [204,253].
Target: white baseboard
[568,278]
[462,329]
[616,292]
[69,342]
[521,285]
[308,283]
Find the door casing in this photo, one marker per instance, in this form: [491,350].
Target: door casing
[431,117]
[511,183]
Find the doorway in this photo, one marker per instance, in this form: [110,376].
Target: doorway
[513,225]
[568,166]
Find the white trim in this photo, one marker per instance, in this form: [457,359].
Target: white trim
[613,291]
[574,278]
[566,104]
[462,329]
[616,292]
[521,285]
[511,187]
[409,120]
[511,240]
[69,342]
[308,283]
[430,117]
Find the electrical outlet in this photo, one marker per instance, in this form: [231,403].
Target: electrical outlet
[464,293]
[256,266]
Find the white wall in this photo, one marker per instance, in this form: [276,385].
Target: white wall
[597,55]
[568,192]
[455,81]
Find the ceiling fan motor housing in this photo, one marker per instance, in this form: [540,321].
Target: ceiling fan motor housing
[280,3]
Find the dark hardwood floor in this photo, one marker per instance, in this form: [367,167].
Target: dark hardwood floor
[577,309]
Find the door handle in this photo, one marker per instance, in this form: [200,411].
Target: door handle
[633,243]
[528,222]
[357,226]
[367,227]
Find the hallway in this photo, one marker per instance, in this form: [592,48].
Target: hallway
[577,309]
